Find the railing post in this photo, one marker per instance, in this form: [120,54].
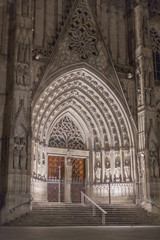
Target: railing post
[59,185]
[103,219]
[109,184]
[82,198]
[93,211]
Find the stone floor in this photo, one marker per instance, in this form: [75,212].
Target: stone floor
[80,233]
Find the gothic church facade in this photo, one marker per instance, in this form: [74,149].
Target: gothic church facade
[80,102]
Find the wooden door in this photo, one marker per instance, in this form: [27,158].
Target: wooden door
[54,162]
[78,177]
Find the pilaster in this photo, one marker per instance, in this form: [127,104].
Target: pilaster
[145,94]
[18,122]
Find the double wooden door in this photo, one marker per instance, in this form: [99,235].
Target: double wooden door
[56,178]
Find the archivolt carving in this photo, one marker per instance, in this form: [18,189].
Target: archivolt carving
[91,99]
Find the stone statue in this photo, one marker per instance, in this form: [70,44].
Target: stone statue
[107,172]
[25,75]
[154,167]
[117,172]
[16,158]
[23,158]
[98,172]
[127,172]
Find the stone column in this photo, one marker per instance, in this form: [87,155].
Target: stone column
[68,179]
[103,164]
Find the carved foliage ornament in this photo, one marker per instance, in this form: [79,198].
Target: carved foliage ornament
[155,40]
[82,33]
[65,134]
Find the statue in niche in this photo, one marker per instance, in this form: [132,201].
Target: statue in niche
[22,78]
[25,75]
[98,173]
[23,158]
[117,172]
[108,172]
[16,158]
[127,171]
[154,164]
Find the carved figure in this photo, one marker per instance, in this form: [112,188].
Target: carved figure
[98,172]
[107,172]
[25,75]
[23,158]
[117,173]
[154,166]
[127,172]
[16,158]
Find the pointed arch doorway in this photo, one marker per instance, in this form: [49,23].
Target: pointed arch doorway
[66,168]
[80,112]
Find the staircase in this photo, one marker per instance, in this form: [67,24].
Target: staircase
[129,214]
[49,214]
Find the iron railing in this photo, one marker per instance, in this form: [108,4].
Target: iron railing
[25,203]
[94,206]
[153,204]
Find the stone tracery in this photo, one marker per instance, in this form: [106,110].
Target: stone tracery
[65,134]
[82,33]
[155,40]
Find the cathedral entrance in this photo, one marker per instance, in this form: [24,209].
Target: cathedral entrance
[83,141]
[66,179]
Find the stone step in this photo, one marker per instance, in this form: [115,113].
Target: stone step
[81,215]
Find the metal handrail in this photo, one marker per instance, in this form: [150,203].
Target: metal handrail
[153,204]
[25,203]
[83,196]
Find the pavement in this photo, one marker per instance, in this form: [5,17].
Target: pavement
[81,233]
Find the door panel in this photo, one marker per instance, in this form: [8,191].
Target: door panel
[53,175]
[78,177]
